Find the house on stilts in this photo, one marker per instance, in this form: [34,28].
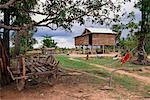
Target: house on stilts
[93,38]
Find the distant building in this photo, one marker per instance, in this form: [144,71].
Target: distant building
[45,51]
[49,50]
[96,37]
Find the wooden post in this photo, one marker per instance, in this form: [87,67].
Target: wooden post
[103,49]
[83,49]
[91,49]
[87,56]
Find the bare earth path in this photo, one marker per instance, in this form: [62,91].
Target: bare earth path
[74,87]
[145,80]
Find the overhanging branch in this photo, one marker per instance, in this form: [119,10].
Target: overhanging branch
[10,27]
[16,27]
[7,5]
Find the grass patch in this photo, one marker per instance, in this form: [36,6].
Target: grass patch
[109,62]
[147,91]
[99,72]
[83,66]
[127,82]
[66,62]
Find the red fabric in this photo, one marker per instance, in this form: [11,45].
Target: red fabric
[125,58]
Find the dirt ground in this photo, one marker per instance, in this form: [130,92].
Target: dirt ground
[76,87]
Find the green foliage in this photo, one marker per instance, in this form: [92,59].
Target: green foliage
[19,12]
[26,42]
[129,43]
[49,42]
[64,13]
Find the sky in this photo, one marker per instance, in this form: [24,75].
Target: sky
[66,38]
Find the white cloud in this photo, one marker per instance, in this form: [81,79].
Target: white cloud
[64,42]
[39,44]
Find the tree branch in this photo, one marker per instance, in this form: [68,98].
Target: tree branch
[45,25]
[16,27]
[10,27]
[7,5]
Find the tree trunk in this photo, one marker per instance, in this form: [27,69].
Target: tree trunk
[4,62]
[6,31]
[142,56]
[17,44]
[4,52]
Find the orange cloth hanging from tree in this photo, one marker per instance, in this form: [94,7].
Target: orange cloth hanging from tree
[126,58]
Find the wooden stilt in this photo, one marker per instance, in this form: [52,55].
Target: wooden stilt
[103,49]
[91,49]
[87,49]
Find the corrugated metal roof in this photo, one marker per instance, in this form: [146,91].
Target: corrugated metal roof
[101,30]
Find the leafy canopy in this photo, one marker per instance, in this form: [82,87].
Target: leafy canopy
[49,42]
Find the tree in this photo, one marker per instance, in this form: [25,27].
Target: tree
[49,42]
[11,14]
[141,30]
[144,6]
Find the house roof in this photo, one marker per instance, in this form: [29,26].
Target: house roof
[101,30]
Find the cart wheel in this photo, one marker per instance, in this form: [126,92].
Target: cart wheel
[52,79]
[20,84]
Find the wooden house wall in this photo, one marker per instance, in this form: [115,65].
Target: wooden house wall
[103,39]
[82,40]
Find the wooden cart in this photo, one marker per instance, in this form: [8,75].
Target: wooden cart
[24,68]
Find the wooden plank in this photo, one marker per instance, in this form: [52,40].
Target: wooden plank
[11,74]
[37,64]
[12,68]
[37,69]
[52,65]
[27,69]
[43,70]
[21,77]
[15,72]
[53,61]
[40,73]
